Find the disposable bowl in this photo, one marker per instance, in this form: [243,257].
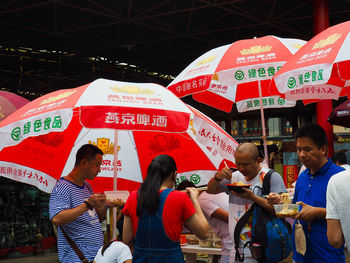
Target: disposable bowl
[286,210]
[115,195]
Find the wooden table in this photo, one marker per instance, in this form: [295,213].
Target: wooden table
[191,252]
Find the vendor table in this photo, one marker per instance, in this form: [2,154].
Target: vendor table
[191,251]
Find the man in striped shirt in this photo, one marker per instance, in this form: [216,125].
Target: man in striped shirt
[75,208]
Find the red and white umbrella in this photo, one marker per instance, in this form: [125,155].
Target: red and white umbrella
[10,102]
[229,74]
[238,73]
[320,69]
[130,122]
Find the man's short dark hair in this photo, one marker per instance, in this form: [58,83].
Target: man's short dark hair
[314,132]
[87,151]
[340,157]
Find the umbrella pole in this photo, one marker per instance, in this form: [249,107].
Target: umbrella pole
[115,172]
[266,162]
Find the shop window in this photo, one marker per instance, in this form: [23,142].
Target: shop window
[287,128]
[252,128]
[274,127]
[222,124]
[306,119]
[234,128]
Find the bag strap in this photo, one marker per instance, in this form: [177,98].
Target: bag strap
[267,182]
[243,220]
[74,247]
[237,232]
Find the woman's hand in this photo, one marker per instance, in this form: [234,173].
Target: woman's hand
[193,193]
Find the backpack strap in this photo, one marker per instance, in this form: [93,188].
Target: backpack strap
[237,232]
[267,182]
[243,220]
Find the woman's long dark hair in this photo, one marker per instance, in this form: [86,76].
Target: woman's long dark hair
[105,246]
[158,171]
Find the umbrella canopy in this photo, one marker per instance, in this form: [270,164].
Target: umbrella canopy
[240,73]
[231,74]
[130,122]
[341,115]
[10,102]
[320,69]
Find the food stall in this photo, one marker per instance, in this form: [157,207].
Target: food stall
[192,247]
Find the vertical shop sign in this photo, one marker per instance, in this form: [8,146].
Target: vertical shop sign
[290,174]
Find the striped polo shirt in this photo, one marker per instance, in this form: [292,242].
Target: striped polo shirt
[85,230]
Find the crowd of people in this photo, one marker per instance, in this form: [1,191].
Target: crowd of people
[156,214]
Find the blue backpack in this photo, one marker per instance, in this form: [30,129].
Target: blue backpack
[273,235]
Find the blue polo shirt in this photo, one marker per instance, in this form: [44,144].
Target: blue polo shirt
[311,189]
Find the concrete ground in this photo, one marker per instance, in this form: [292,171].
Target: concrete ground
[47,257]
[51,257]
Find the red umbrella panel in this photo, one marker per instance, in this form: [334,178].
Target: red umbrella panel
[240,73]
[10,102]
[229,74]
[130,122]
[320,69]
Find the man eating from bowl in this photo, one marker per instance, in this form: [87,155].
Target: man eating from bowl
[249,172]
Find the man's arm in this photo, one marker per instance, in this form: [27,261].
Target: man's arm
[264,204]
[249,195]
[220,214]
[309,213]
[68,215]
[214,183]
[213,186]
[335,233]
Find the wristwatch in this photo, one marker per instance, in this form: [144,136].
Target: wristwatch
[87,204]
[216,179]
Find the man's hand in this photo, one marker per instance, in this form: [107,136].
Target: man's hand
[247,194]
[307,213]
[224,173]
[274,198]
[115,203]
[97,200]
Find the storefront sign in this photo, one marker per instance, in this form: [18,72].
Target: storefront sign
[290,174]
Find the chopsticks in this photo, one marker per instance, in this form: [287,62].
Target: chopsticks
[226,165]
[203,188]
[231,168]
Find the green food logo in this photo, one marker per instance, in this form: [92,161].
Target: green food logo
[239,75]
[291,82]
[15,134]
[281,101]
[195,178]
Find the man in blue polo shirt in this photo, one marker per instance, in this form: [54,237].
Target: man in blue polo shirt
[310,192]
